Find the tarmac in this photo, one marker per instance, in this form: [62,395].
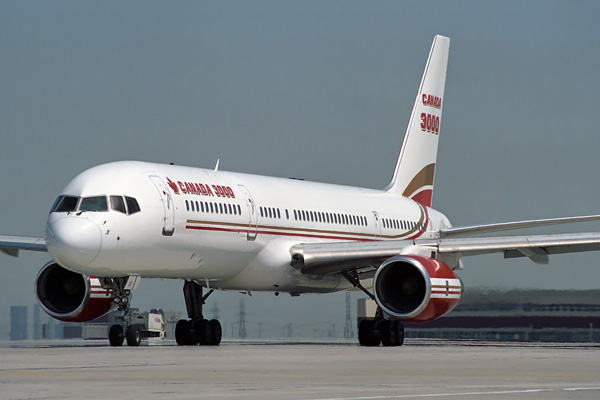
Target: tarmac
[342,370]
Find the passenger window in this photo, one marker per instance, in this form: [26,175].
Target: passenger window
[67,204]
[239,209]
[193,207]
[220,208]
[132,205]
[96,203]
[202,206]
[117,204]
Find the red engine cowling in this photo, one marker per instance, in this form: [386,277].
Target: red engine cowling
[72,297]
[416,288]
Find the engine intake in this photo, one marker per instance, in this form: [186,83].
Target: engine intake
[69,296]
[416,288]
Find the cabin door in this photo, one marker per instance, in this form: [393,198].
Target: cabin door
[252,214]
[168,206]
[377,224]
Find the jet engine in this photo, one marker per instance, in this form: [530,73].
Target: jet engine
[416,288]
[72,297]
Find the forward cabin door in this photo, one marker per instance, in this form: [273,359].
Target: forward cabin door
[377,224]
[168,206]
[252,214]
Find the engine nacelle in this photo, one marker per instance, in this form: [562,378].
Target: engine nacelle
[72,297]
[416,288]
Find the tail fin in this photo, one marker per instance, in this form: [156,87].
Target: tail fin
[415,168]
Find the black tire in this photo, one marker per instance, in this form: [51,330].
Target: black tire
[399,333]
[368,335]
[115,335]
[387,330]
[134,336]
[202,332]
[214,327]
[183,335]
[392,333]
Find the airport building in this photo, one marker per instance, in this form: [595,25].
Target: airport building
[532,315]
[18,323]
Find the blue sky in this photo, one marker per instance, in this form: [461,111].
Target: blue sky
[312,89]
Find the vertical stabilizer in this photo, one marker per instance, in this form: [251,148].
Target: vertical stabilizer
[415,168]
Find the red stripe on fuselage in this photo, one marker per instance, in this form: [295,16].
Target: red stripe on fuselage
[276,233]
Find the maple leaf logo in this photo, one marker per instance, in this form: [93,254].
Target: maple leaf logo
[173,186]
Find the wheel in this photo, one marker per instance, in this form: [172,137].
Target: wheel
[399,333]
[115,335]
[134,336]
[392,333]
[368,335]
[214,327]
[183,334]
[202,332]
[388,331]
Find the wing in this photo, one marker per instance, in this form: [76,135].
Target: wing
[329,258]
[12,244]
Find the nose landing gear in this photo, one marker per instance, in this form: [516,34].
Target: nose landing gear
[121,330]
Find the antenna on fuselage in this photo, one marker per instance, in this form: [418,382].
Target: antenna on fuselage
[217,166]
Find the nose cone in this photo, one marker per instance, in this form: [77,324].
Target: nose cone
[73,241]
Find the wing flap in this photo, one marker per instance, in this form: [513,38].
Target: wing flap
[335,257]
[506,226]
[512,245]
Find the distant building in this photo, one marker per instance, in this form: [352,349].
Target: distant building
[516,315]
[37,325]
[18,323]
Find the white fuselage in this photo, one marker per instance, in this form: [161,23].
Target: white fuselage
[226,230]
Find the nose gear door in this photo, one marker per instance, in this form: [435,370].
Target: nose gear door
[168,206]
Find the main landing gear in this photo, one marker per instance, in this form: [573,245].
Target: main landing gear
[376,331]
[196,330]
[121,330]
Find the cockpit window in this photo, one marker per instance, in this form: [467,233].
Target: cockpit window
[65,204]
[96,203]
[117,204]
[132,205]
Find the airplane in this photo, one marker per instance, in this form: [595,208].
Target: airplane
[116,223]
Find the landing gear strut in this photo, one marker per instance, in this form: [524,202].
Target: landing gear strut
[196,330]
[376,331]
[121,330]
